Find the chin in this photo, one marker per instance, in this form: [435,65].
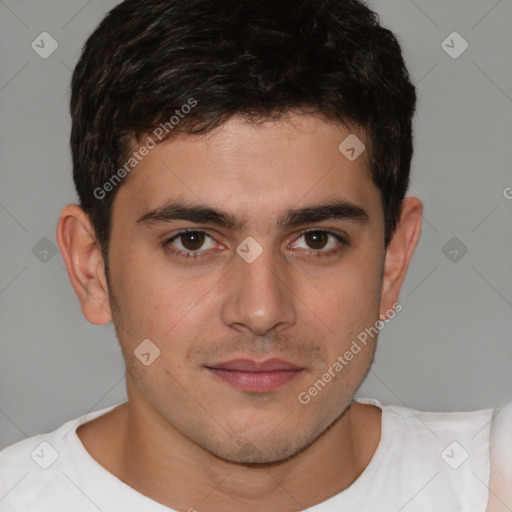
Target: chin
[261,449]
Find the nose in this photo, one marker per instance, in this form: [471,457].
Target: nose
[258,296]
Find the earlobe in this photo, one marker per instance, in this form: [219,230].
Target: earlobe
[400,251]
[84,263]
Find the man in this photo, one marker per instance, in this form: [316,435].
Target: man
[242,170]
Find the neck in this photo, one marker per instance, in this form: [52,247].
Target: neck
[163,464]
[140,448]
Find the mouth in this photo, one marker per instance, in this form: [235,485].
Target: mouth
[254,376]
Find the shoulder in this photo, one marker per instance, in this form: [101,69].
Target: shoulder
[25,470]
[35,451]
[422,431]
[35,469]
[43,450]
[448,452]
[459,425]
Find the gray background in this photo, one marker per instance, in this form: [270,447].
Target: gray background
[449,349]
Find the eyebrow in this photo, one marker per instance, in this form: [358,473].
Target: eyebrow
[339,210]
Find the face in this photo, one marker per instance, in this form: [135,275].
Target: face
[251,257]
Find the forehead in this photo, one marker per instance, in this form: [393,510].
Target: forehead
[255,169]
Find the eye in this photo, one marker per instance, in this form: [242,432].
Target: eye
[195,243]
[190,241]
[321,242]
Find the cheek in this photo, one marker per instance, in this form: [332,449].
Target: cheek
[158,303]
[346,299]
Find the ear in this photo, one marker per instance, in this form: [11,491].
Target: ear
[399,252]
[84,263]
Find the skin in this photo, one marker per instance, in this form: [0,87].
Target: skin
[185,438]
[500,484]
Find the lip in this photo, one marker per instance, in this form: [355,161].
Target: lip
[255,376]
[249,365]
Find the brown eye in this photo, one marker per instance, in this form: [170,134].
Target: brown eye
[192,240]
[320,242]
[316,239]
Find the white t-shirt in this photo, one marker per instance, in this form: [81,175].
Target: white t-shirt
[425,462]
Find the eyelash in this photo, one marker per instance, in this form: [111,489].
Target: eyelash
[167,244]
